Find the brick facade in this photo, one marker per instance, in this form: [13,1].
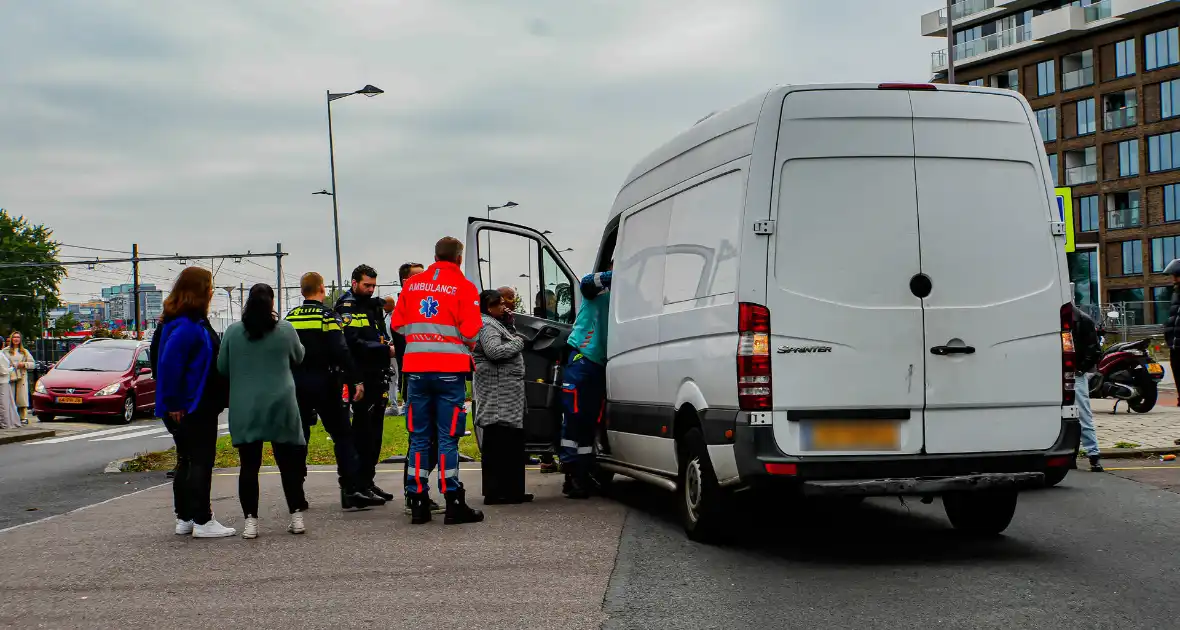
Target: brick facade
[1147,89]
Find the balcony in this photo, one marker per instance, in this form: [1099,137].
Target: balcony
[1077,79]
[982,46]
[934,23]
[1120,118]
[1098,11]
[1123,218]
[1084,174]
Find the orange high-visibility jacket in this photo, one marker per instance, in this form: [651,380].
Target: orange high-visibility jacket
[438,312]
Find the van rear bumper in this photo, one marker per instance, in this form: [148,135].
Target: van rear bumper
[755,447]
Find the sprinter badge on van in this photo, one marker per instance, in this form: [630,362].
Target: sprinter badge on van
[803,349]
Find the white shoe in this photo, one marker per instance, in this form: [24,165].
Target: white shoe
[296,526]
[250,529]
[184,528]
[212,529]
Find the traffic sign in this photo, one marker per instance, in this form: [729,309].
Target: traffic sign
[1065,215]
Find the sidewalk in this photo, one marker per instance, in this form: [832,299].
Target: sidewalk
[118,564]
[24,434]
[1159,428]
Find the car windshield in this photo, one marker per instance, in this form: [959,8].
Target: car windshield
[96,358]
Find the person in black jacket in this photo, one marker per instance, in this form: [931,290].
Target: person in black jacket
[1172,325]
[318,381]
[368,341]
[1088,352]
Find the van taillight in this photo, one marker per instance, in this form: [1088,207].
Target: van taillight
[753,358]
[1069,364]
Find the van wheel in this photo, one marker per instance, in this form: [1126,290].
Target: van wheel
[983,513]
[702,500]
[1054,476]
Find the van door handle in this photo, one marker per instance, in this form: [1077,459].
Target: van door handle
[942,351]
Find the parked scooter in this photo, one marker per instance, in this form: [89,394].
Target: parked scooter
[1127,372]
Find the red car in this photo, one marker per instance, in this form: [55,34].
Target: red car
[103,377]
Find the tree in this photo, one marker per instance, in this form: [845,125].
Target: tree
[27,292]
[64,324]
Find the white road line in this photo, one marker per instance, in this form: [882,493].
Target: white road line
[128,436]
[86,436]
[85,507]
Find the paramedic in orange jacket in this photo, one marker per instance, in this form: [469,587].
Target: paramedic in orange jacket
[438,312]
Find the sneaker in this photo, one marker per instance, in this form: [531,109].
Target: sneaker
[250,529]
[296,526]
[1096,464]
[548,468]
[212,529]
[184,528]
[381,494]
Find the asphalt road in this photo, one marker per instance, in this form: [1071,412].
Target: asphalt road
[46,477]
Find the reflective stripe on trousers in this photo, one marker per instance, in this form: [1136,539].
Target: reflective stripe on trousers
[436,408]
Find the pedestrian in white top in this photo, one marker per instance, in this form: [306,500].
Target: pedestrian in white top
[9,416]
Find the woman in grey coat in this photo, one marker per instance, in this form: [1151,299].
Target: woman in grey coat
[499,405]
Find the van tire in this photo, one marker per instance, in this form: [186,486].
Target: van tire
[700,497]
[984,513]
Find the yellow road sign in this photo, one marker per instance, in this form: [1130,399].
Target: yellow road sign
[1065,214]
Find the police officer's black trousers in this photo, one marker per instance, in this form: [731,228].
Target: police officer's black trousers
[368,426]
[321,397]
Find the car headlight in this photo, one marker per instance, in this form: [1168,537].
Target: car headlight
[109,390]
[39,387]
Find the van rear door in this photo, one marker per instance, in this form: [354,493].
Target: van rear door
[984,209]
[847,338]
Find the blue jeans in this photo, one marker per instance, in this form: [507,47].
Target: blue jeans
[583,394]
[1081,394]
[436,401]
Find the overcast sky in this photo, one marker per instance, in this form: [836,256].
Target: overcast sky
[200,127]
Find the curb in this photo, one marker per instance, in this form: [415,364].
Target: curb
[117,465]
[25,436]
[1134,453]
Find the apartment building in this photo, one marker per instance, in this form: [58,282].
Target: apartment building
[1104,80]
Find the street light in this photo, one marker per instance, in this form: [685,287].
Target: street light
[510,204]
[369,91]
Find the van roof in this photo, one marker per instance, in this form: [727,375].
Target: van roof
[732,130]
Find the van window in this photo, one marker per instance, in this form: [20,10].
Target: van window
[701,256]
[638,282]
[556,302]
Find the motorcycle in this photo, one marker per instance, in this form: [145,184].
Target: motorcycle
[1127,372]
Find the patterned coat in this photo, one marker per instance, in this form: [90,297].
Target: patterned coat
[499,376]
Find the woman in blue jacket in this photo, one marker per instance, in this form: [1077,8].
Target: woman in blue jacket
[190,394]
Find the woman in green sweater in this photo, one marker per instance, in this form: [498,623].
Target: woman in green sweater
[256,356]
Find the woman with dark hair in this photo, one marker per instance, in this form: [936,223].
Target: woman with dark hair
[256,357]
[189,396]
[499,404]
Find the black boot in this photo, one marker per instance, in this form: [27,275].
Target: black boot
[419,504]
[577,487]
[458,512]
[383,495]
[1096,464]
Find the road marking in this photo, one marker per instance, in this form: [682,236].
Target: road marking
[1139,467]
[88,435]
[84,507]
[128,436]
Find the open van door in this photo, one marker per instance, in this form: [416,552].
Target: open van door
[550,304]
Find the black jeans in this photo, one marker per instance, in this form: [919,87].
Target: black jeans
[503,462]
[196,448]
[322,398]
[290,459]
[368,427]
[1174,359]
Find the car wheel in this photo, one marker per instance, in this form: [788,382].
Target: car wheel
[1054,476]
[701,497]
[46,417]
[128,409]
[984,513]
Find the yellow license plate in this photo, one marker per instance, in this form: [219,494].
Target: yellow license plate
[1155,368]
[851,435]
[69,400]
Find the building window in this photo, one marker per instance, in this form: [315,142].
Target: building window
[1170,99]
[1132,257]
[1046,78]
[1083,273]
[1161,302]
[1089,213]
[1009,80]
[1163,251]
[1047,121]
[1129,158]
[1132,300]
[1053,168]
[1172,202]
[1161,49]
[1124,58]
[1086,123]
[975,83]
[1077,70]
[1121,110]
[1163,152]
[1081,166]
[1124,210]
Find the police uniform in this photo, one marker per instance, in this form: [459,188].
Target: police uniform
[438,312]
[368,341]
[325,365]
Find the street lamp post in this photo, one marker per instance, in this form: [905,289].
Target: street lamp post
[369,91]
[510,204]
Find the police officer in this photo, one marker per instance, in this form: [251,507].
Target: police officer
[369,342]
[317,386]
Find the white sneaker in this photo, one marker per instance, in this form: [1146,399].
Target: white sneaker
[250,529]
[296,526]
[184,528]
[212,529]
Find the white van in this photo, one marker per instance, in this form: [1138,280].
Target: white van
[833,290]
